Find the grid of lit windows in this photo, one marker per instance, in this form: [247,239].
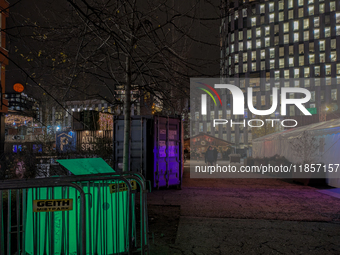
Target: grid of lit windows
[285,39]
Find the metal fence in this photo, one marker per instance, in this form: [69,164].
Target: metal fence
[83,214]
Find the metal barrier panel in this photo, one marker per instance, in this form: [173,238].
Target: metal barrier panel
[73,215]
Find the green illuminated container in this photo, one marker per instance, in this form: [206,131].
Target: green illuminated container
[106,216]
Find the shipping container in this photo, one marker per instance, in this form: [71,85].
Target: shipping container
[155,148]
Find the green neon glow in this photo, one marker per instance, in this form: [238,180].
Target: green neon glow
[208,94]
[106,216]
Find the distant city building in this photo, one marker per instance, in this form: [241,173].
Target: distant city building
[280,41]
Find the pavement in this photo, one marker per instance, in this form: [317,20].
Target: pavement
[250,216]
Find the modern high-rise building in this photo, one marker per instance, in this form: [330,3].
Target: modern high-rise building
[288,43]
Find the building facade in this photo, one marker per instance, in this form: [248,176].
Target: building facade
[287,43]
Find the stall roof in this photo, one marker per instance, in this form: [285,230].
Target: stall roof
[82,166]
[317,129]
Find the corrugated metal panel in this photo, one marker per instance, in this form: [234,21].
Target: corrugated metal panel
[94,141]
[155,149]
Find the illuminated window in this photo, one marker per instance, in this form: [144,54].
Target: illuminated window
[286,84]
[272,53]
[297,82]
[254,100]
[286,74]
[306,35]
[240,35]
[253,67]
[263,65]
[321,8]
[337,18]
[263,54]
[296,25]
[263,100]
[301,12]
[291,110]
[301,49]
[334,94]
[338,68]
[253,56]
[301,60]
[322,45]
[305,23]
[232,48]
[271,17]
[291,50]
[240,46]
[300,2]
[317,81]
[286,38]
[245,57]
[262,8]
[258,32]
[267,86]
[333,44]
[312,96]
[311,59]
[296,37]
[245,68]
[277,75]
[281,5]
[307,82]
[290,4]
[306,72]
[311,10]
[328,69]
[286,27]
[253,21]
[337,30]
[322,58]
[272,64]
[244,13]
[236,58]
[333,56]
[281,51]
[271,7]
[232,37]
[262,20]
[281,63]
[316,22]
[249,34]
[281,16]
[317,71]
[267,30]
[291,62]
[258,43]
[327,31]
[249,45]
[267,42]
[290,14]
[310,1]
[332,6]
[316,33]
[236,69]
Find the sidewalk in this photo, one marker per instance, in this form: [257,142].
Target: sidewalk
[249,216]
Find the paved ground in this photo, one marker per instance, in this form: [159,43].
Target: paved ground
[245,216]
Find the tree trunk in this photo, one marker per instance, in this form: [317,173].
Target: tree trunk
[127,116]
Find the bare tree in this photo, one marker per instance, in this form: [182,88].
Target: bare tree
[306,147]
[94,48]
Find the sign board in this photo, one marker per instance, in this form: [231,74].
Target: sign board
[66,141]
[52,205]
[312,110]
[122,187]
